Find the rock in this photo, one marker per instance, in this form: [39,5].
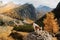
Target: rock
[35,36]
[16,36]
[58,36]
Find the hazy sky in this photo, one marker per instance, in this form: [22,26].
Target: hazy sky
[36,3]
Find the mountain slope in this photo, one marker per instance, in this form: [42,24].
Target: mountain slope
[7,6]
[42,10]
[26,11]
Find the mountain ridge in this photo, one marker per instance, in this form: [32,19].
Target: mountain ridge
[42,10]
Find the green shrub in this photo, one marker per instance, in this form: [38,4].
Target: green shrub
[24,28]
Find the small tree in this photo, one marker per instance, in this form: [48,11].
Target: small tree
[50,23]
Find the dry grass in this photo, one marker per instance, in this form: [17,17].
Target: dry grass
[22,33]
[54,38]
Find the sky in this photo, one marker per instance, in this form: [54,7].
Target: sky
[36,3]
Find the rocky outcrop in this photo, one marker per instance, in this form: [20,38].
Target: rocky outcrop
[35,36]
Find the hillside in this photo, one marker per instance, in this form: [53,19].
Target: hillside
[26,11]
[7,7]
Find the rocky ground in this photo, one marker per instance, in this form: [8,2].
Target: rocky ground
[34,36]
[15,35]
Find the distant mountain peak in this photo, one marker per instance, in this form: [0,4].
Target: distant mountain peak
[42,10]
